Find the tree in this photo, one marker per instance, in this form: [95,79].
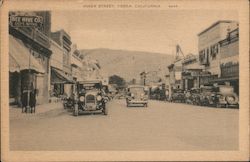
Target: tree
[119,81]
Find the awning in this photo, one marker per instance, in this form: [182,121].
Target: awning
[224,79]
[59,77]
[19,56]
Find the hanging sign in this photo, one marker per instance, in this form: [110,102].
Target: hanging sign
[26,21]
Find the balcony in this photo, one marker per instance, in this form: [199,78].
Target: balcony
[38,36]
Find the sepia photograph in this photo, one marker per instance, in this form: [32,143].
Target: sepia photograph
[122,76]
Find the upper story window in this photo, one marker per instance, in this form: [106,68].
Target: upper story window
[214,50]
[66,58]
[203,57]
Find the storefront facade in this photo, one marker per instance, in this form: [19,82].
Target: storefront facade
[29,54]
[61,74]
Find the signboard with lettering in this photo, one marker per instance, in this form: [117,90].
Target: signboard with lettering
[26,21]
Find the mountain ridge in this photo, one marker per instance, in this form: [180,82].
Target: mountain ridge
[127,63]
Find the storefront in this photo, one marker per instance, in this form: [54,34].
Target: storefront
[24,70]
[61,83]
[229,75]
[191,79]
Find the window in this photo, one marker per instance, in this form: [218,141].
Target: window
[208,51]
[202,56]
[214,50]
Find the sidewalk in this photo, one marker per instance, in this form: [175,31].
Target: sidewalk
[16,112]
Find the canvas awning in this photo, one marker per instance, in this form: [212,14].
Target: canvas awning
[19,57]
[59,77]
[224,79]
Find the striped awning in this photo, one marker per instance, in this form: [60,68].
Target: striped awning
[59,77]
[20,58]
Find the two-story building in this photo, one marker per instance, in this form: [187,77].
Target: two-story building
[191,72]
[150,78]
[76,63]
[229,60]
[209,47]
[29,55]
[65,74]
[58,77]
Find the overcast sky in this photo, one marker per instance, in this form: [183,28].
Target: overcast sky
[140,30]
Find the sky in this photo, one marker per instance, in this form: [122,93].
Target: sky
[138,30]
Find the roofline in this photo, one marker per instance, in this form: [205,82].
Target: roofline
[214,24]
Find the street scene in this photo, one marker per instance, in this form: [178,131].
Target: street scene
[150,81]
[160,126]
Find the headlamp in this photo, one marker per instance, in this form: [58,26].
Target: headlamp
[82,98]
[99,98]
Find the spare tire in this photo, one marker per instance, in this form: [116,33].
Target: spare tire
[232,99]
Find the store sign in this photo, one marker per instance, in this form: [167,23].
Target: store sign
[26,21]
[178,75]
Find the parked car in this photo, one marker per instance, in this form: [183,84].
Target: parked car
[188,97]
[137,95]
[207,96]
[178,96]
[225,96]
[68,101]
[90,97]
[195,96]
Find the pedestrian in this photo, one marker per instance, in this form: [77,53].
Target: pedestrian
[166,95]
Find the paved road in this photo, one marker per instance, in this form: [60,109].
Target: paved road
[160,126]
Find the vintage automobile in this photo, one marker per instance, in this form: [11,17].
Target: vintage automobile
[207,96]
[90,97]
[68,101]
[195,96]
[188,97]
[178,96]
[137,95]
[225,96]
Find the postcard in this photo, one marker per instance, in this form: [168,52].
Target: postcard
[106,80]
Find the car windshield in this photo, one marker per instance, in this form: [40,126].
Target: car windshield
[89,86]
[136,90]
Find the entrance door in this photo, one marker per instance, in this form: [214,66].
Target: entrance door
[190,84]
[40,88]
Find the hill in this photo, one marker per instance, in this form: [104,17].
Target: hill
[128,64]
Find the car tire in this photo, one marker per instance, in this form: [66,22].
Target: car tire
[76,110]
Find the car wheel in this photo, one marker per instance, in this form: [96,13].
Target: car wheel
[76,111]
